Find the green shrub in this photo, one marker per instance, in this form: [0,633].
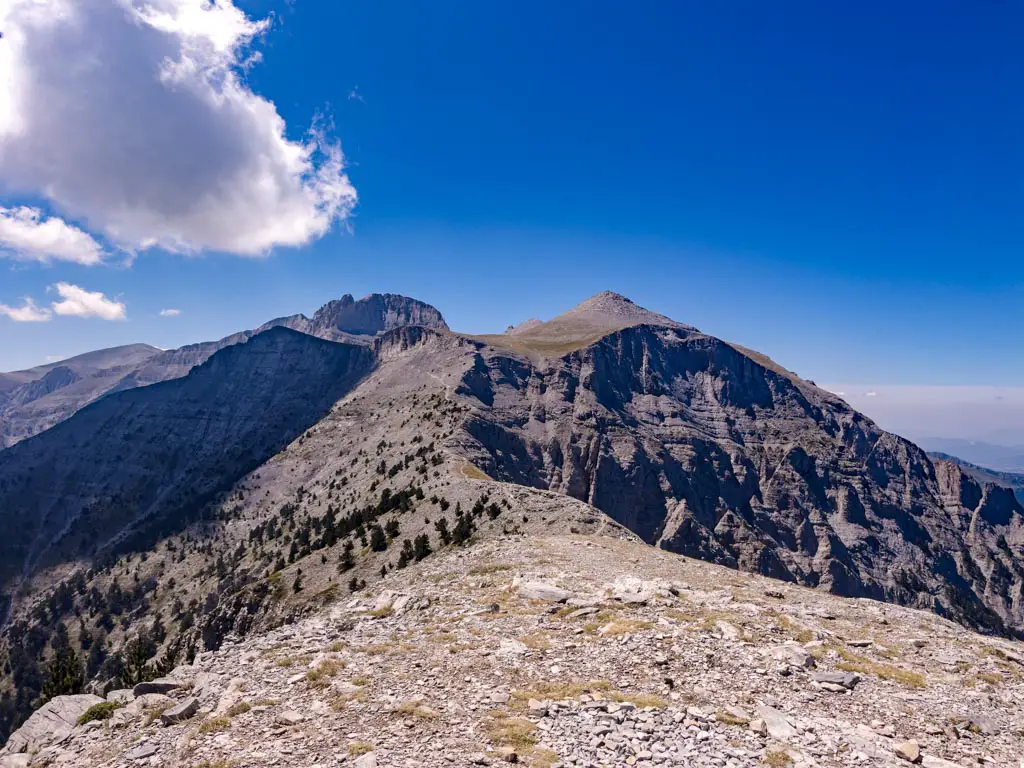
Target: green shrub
[101,711]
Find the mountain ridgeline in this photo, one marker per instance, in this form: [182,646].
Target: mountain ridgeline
[298,452]
[34,400]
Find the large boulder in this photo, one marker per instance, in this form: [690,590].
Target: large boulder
[51,723]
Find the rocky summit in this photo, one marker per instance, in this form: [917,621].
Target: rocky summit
[603,539]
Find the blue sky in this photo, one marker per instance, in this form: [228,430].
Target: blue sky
[839,187]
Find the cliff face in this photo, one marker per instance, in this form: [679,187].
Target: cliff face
[703,450]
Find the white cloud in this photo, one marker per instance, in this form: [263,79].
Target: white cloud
[170,312]
[870,394]
[26,234]
[26,313]
[78,302]
[134,117]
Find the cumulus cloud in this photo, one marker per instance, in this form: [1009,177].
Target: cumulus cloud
[170,312]
[78,302]
[134,117]
[26,313]
[25,233]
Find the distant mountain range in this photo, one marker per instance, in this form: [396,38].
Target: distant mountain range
[1001,458]
[36,399]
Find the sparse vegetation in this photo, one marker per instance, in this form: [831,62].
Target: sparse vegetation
[102,711]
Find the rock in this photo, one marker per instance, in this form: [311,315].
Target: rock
[479,758]
[759,726]
[581,612]
[15,761]
[794,655]
[629,589]
[51,723]
[728,631]
[859,643]
[141,752]
[776,723]
[845,679]
[539,590]
[369,760]
[737,715]
[980,724]
[929,761]
[290,717]
[160,685]
[121,696]
[908,750]
[181,712]
[508,754]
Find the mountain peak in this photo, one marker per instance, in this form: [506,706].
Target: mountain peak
[611,310]
[373,314]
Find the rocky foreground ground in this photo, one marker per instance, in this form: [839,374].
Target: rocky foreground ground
[568,651]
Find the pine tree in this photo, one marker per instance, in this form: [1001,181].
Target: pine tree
[378,540]
[421,547]
[63,675]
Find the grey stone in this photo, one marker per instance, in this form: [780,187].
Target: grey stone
[141,752]
[540,590]
[845,679]
[776,723]
[181,712]
[161,685]
[51,723]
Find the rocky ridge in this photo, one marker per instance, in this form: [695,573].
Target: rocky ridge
[32,401]
[562,651]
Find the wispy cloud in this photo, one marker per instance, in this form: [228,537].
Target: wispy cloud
[26,313]
[170,312]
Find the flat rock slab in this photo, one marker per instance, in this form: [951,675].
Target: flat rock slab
[776,723]
[51,722]
[183,711]
[141,752]
[160,685]
[845,679]
[540,590]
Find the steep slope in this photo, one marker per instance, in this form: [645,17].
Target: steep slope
[140,464]
[38,398]
[35,400]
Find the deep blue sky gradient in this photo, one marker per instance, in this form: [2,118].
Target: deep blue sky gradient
[840,185]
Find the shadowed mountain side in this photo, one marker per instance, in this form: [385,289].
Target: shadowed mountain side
[139,464]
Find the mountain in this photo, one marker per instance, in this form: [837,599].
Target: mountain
[1001,458]
[983,475]
[34,400]
[246,493]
